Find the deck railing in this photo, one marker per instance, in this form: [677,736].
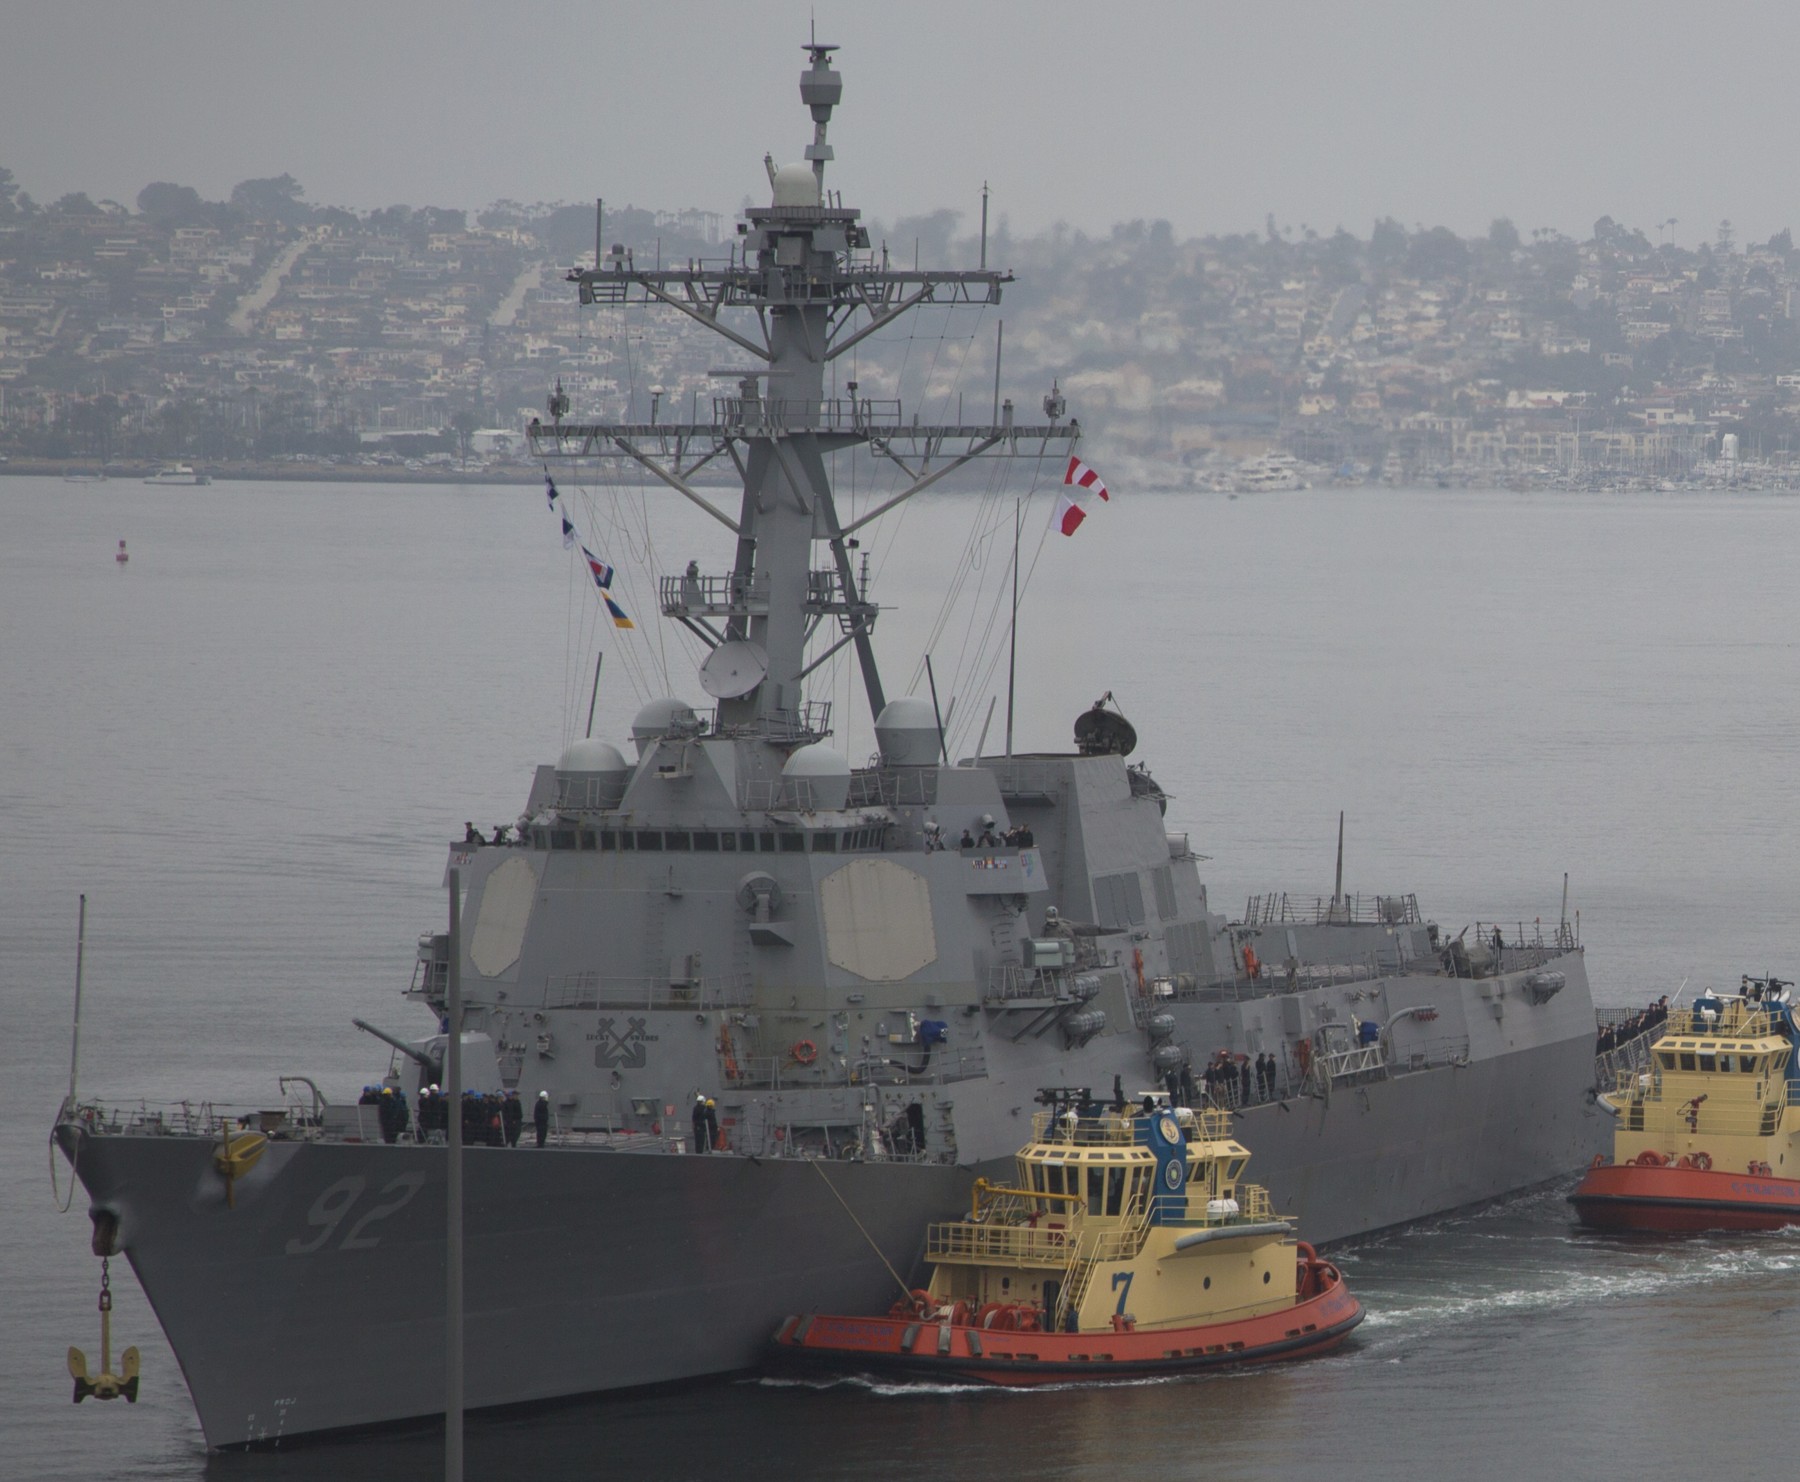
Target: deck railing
[592,990]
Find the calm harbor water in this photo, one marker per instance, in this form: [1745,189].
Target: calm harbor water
[249,744]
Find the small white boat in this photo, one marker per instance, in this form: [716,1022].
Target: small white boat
[178,473]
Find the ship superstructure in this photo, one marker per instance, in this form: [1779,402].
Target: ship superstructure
[722,907]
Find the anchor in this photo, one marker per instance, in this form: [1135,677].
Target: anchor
[236,1155]
[105,1385]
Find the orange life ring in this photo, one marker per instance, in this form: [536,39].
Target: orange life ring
[804,1052]
[1649,1159]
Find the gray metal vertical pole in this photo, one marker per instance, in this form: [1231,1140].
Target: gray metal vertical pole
[453,1235]
[75,1038]
[1012,631]
[943,748]
[999,345]
[594,698]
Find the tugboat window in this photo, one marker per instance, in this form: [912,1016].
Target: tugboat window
[1687,1060]
[1706,1063]
[1750,1064]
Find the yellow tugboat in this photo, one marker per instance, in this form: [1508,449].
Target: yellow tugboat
[1129,1246]
[1708,1136]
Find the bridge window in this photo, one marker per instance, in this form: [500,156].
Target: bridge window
[1707,1063]
[609,838]
[793,843]
[1667,1057]
[1096,1190]
[1115,1190]
[766,842]
[728,842]
[1687,1060]
[1750,1064]
[676,839]
[627,839]
[825,843]
[1725,1062]
[706,841]
[651,839]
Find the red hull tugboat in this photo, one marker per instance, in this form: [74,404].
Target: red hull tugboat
[1129,1247]
[1705,1134]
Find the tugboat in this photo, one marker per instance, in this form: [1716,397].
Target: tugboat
[1705,1133]
[1129,1247]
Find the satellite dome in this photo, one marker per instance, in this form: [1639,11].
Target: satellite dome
[907,732]
[659,718]
[592,755]
[796,185]
[826,774]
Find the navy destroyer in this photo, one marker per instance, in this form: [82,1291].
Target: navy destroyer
[724,909]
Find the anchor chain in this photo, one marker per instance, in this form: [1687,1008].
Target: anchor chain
[105,1385]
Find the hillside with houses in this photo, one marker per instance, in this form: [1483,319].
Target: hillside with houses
[265,330]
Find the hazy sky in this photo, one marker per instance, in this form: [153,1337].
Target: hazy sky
[1212,115]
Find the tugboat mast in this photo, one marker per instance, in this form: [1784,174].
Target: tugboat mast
[816,289]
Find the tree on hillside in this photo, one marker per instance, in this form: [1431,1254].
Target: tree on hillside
[1387,243]
[76,203]
[1438,253]
[274,199]
[14,203]
[1502,235]
[170,205]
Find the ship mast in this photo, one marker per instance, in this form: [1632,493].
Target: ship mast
[812,290]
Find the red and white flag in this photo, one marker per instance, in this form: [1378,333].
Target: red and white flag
[1084,477]
[1070,509]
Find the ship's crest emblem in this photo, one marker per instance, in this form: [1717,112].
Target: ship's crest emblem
[621,1050]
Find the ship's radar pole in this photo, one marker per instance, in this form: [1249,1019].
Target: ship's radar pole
[809,289]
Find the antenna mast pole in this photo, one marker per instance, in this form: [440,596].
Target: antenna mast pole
[75,1038]
[594,697]
[1012,633]
[1337,892]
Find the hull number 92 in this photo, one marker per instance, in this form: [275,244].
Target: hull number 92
[330,1210]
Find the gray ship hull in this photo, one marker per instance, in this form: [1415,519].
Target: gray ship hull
[308,1306]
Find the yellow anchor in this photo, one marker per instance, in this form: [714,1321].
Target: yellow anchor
[236,1155]
[105,1385]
